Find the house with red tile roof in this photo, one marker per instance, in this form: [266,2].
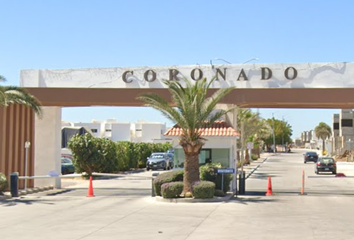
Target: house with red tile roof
[219,147]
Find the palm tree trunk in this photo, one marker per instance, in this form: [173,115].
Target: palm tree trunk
[191,170]
[247,157]
[323,146]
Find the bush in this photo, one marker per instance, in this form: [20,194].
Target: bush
[208,172]
[219,193]
[173,176]
[203,189]
[125,156]
[171,189]
[92,154]
[254,156]
[3,182]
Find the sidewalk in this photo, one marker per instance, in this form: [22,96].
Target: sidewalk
[250,168]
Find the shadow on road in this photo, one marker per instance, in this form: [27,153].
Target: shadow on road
[245,199]
[260,175]
[25,201]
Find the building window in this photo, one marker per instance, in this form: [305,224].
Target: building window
[347,122]
[94,130]
[336,126]
[108,130]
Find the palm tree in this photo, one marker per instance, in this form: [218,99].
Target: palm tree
[251,124]
[323,131]
[17,95]
[191,110]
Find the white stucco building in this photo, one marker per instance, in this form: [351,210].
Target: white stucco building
[140,131]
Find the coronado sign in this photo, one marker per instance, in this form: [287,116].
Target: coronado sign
[196,74]
[280,75]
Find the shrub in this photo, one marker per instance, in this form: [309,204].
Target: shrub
[254,156]
[125,157]
[3,182]
[219,193]
[92,154]
[203,189]
[171,189]
[173,176]
[208,172]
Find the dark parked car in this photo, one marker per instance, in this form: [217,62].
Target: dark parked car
[310,157]
[326,164]
[159,160]
[67,166]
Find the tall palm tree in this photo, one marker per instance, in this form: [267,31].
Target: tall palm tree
[323,131]
[17,95]
[191,110]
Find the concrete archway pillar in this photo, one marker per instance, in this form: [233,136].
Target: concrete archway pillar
[48,146]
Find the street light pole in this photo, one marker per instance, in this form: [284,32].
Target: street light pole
[273,134]
[27,145]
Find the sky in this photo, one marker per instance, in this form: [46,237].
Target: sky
[48,34]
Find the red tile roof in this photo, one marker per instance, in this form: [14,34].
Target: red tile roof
[218,129]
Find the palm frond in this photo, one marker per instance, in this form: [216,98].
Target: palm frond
[191,107]
[17,95]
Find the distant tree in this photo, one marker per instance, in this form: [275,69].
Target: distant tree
[323,131]
[282,132]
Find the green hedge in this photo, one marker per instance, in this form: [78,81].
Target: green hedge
[171,189]
[92,154]
[3,182]
[208,172]
[203,189]
[173,176]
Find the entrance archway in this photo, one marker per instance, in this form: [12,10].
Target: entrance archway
[306,85]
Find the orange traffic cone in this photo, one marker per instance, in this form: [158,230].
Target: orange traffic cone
[269,189]
[90,189]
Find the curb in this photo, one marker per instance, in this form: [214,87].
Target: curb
[34,190]
[254,169]
[194,200]
[7,195]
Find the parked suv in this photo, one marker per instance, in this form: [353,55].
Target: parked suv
[158,160]
[310,156]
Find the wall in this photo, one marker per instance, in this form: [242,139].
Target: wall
[48,146]
[16,127]
[96,128]
[151,131]
[345,114]
[221,155]
[120,132]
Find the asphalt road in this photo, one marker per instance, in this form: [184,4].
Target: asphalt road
[123,209]
[286,171]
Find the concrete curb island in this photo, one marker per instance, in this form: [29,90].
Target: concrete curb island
[194,200]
